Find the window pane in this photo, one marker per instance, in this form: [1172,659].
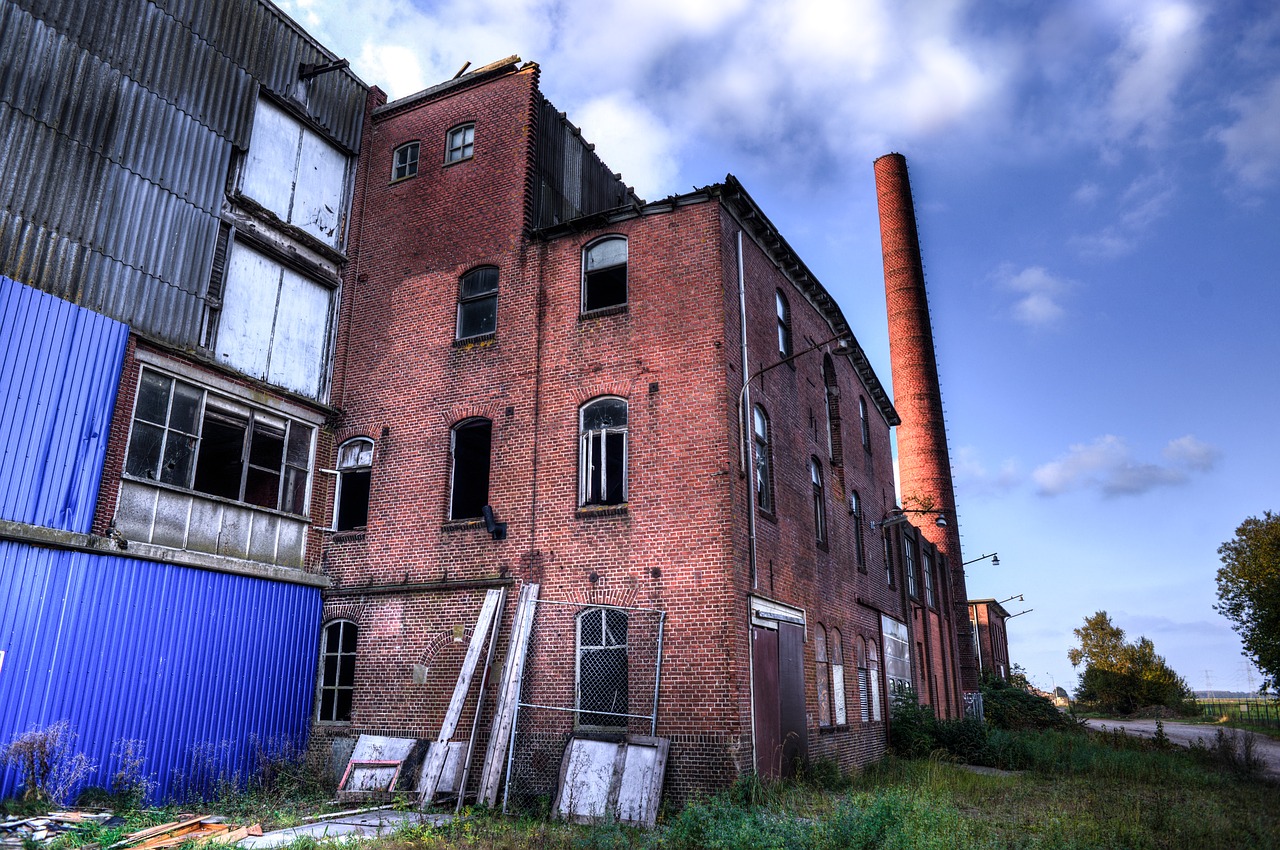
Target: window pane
[479,282]
[605,288]
[615,468]
[179,459]
[221,460]
[611,252]
[355,453]
[347,670]
[326,705]
[353,506]
[342,705]
[153,398]
[267,448]
[591,628]
[603,686]
[348,637]
[299,453]
[262,487]
[330,675]
[144,451]
[605,413]
[478,317]
[615,627]
[186,407]
[294,497]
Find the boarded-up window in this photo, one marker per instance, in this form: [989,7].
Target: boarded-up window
[820,677]
[292,171]
[274,323]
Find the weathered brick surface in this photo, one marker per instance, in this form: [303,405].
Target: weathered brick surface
[413,579]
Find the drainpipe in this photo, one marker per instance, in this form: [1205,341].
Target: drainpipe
[745,416]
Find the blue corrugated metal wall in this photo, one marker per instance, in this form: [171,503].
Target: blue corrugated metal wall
[59,371]
[180,658]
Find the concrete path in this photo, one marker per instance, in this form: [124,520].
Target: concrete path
[356,824]
[1267,749]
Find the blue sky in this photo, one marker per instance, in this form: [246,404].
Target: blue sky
[1098,192]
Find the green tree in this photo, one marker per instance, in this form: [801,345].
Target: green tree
[1120,676]
[1249,591]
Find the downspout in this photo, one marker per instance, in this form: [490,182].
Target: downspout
[744,416]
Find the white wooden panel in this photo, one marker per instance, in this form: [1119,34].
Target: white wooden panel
[301,333]
[271,164]
[587,775]
[248,311]
[317,201]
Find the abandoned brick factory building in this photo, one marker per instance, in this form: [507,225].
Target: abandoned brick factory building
[411,421]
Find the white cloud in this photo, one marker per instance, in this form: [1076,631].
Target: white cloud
[974,478]
[1109,466]
[1161,48]
[1039,301]
[1143,202]
[1087,193]
[1252,143]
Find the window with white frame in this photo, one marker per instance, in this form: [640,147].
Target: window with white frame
[784,324]
[897,653]
[821,677]
[405,162]
[471,444]
[602,668]
[926,571]
[763,460]
[461,144]
[478,302]
[873,675]
[909,565]
[337,672]
[189,437]
[603,452]
[604,274]
[819,502]
[355,471]
[839,710]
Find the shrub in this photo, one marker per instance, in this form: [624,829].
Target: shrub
[51,769]
[1008,707]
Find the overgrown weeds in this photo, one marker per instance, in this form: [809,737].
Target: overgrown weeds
[50,766]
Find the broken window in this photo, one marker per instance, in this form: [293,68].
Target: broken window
[835,448]
[470,491]
[462,143]
[355,472]
[602,668]
[820,678]
[784,324]
[406,161]
[478,302]
[764,464]
[873,676]
[909,565]
[337,672]
[926,570]
[840,712]
[864,424]
[603,452]
[604,274]
[864,698]
[188,437]
[888,559]
[859,542]
[819,502]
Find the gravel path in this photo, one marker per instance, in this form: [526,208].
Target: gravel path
[1267,749]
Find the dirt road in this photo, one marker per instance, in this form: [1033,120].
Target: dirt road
[1267,749]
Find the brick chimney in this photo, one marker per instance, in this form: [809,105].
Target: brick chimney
[924,465]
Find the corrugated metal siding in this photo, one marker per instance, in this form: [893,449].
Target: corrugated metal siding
[59,372]
[117,126]
[183,659]
[571,181]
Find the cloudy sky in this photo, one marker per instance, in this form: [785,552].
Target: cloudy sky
[1098,193]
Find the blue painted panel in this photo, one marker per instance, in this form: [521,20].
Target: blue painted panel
[59,372]
[189,661]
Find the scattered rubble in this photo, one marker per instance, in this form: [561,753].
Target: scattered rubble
[198,830]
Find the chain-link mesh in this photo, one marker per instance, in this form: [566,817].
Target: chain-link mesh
[590,669]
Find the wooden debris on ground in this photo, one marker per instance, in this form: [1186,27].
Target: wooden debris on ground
[16,831]
[198,831]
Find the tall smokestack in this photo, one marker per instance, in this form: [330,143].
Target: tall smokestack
[924,465]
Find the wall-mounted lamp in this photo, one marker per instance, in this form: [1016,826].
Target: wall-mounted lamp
[995,561]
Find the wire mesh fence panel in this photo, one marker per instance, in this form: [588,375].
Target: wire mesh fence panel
[590,670]
[1259,712]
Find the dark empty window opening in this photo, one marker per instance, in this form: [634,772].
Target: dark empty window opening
[406,161]
[864,424]
[604,274]
[602,668]
[355,471]
[909,565]
[926,571]
[462,143]
[859,541]
[835,448]
[603,452]
[187,437]
[337,672]
[471,446]
[784,324]
[478,302]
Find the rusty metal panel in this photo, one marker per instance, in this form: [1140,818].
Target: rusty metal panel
[570,181]
[60,370]
[794,724]
[183,659]
[765,701]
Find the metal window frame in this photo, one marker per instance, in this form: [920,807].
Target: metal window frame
[323,686]
[586,454]
[410,163]
[467,300]
[460,142]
